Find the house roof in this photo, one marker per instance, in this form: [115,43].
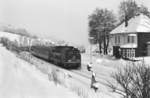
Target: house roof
[140,23]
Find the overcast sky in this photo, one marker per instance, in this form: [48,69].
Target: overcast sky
[60,19]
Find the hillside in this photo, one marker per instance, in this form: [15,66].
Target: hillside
[18,79]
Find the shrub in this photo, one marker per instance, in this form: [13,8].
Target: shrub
[57,77]
[133,80]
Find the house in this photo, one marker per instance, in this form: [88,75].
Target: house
[132,40]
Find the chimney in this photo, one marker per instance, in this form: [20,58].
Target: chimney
[126,20]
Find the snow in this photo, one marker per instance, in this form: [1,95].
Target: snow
[10,36]
[19,79]
[103,68]
[129,45]
[139,23]
[145,59]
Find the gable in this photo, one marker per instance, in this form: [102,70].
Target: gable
[136,24]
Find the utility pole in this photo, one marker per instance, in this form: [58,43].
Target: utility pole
[91,39]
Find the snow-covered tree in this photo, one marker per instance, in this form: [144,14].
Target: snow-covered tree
[101,22]
[129,8]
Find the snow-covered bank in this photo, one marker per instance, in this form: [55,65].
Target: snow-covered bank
[18,79]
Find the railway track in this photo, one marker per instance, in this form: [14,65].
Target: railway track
[76,74]
[100,78]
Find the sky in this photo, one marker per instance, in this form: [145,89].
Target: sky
[59,19]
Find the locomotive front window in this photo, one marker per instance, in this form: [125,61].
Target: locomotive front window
[69,54]
[73,55]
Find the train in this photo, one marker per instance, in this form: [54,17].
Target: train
[63,56]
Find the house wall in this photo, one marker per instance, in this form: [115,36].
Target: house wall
[123,39]
[112,41]
[128,49]
[143,38]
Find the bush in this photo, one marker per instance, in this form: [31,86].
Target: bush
[133,80]
[80,91]
[4,41]
[59,77]
[55,77]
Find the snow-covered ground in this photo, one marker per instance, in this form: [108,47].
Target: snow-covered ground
[18,79]
[10,36]
[105,66]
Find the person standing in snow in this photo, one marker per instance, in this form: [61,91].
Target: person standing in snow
[94,83]
[93,80]
[89,66]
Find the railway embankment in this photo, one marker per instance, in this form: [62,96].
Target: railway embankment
[19,79]
[78,84]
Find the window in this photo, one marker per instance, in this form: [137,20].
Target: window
[128,53]
[123,53]
[130,39]
[132,53]
[117,39]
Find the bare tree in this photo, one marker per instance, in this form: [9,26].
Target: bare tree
[101,22]
[133,81]
[129,8]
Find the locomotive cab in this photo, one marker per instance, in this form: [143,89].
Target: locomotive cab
[73,57]
[67,56]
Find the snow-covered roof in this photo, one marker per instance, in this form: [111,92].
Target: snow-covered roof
[140,23]
[129,45]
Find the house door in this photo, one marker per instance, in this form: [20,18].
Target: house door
[116,51]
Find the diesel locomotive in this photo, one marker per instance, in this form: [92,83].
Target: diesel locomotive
[64,56]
